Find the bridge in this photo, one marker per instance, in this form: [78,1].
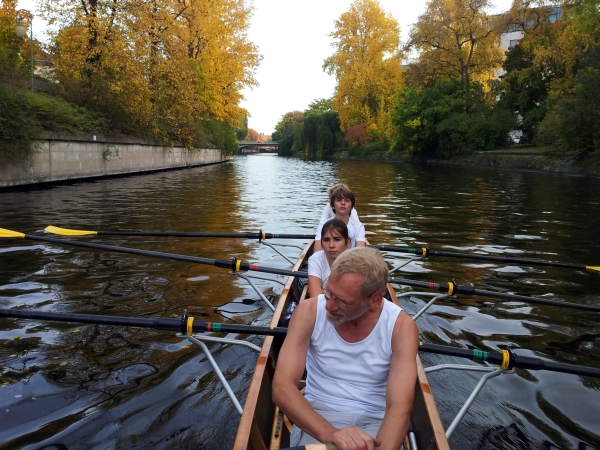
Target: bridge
[252,147]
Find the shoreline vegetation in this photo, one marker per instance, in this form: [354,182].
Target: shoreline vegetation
[468,99]
[533,159]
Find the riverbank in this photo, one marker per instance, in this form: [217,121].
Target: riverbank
[528,158]
[64,157]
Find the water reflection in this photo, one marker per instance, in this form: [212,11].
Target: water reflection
[65,384]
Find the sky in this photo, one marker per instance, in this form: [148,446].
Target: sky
[292,36]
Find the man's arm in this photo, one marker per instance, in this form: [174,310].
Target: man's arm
[290,367]
[401,384]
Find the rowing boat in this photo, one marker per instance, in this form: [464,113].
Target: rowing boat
[262,426]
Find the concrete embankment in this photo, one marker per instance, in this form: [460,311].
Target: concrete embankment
[63,157]
[516,159]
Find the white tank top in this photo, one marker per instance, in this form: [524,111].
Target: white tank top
[350,377]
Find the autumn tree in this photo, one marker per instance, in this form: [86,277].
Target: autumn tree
[456,39]
[567,54]
[252,135]
[169,68]
[366,64]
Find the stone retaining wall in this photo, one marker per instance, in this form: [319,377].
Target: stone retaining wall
[64,157]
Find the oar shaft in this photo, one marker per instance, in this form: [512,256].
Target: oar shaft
[183,325]
[234,264]
[512,360]
[430,252]
[176,325]
[453,288]
[237,265]
[206,235]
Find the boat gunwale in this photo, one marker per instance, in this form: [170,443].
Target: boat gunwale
[244,429]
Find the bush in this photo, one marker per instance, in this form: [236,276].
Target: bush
[24,116]
[449,119]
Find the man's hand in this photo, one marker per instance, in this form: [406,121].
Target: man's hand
[353,438]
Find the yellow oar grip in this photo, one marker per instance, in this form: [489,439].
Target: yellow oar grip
[9,233]
[67,232]
[238,263]
[597,268]
[505,359]
[190,325]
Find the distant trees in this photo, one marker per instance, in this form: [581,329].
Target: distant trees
[553,74]
[287,132]
[252,135]
[367,66]
[315,132]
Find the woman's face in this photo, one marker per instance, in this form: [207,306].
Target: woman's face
[333,243]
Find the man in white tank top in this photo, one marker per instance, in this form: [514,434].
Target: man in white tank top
[360,355]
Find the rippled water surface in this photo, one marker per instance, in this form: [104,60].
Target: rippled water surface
[83,386]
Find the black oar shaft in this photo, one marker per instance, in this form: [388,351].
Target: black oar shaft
[453,288]
[206,235]
[176,325]
[233,264]
[184,325]
[237,265]
[512,360]
[429,252]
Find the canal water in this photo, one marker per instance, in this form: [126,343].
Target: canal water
[72,386]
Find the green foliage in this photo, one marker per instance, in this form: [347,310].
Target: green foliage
[449,119]
[320,132]
[242,129]
[216,134]
[523,90]
[315,132]
[24,116]
[287,132]
[574,120]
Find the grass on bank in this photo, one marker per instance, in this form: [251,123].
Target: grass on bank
[26,115]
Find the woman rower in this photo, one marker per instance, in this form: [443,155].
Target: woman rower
[341,205]
[335,239]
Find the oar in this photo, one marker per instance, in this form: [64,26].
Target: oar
[260,235]
[425,252]
[185,324]
[506,359]
[452,288]
[235,264]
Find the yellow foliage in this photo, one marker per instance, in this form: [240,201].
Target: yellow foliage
[164,62]
[457,39]
[366,64]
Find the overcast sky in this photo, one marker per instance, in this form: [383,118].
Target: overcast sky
[293,38]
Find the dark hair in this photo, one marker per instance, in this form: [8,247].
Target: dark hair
[335,225]
[340,191]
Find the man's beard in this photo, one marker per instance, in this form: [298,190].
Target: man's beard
[340,317]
